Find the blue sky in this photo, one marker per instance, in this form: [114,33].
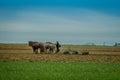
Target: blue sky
[67,21]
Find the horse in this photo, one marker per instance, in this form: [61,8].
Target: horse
[47,47]
[36,45]
[51,47]
[42,47]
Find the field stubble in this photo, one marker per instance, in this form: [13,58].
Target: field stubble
[23,53]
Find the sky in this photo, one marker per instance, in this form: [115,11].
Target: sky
[66,21]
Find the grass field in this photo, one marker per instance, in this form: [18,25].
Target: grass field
[17,62]
[59,71]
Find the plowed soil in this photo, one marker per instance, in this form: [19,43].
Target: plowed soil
[23,53]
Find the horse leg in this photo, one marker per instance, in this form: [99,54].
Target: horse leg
[50,50]
[42,50]
[33,50]
[46,49]
[36,51]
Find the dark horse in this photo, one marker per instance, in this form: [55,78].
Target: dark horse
[36,45]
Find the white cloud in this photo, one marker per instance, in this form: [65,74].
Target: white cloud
[83,25]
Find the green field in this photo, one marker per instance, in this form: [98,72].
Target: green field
[17,62]
[59,71]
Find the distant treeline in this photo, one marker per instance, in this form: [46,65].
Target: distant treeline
[117,44]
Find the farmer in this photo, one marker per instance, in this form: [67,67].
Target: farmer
[57,47]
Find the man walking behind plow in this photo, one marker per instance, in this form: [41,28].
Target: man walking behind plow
[57,47]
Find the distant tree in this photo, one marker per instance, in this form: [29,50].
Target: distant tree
[115,44]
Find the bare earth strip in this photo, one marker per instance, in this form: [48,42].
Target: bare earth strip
[23,53]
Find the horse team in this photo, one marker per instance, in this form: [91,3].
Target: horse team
[46,47]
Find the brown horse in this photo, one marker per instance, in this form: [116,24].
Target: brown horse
[36,45]
[42,47]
